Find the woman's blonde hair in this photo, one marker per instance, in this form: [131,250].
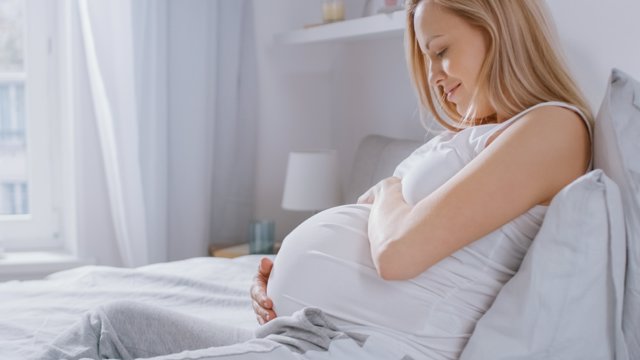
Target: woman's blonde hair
[522,67]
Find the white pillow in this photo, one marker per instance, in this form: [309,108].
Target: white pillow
[565,301]
[617,152]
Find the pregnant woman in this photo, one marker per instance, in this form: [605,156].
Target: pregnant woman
[421,256]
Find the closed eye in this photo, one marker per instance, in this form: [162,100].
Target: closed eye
[441,53]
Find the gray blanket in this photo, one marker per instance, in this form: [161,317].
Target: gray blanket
[307,334]
[307,329]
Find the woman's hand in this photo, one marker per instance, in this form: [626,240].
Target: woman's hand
[262,305]
[375,191]
[387,225]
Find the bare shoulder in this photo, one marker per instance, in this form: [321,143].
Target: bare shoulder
[551,129]
[557,139]
[556,120]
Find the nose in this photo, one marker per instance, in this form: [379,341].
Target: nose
[436,73]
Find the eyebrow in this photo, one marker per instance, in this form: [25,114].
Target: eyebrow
[431,39]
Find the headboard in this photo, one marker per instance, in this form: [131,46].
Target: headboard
[375,159]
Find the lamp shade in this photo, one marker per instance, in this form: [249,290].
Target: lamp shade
[311,182]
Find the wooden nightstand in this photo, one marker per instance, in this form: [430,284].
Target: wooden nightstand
[234,250]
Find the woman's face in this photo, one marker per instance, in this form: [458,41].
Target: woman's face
[455,52]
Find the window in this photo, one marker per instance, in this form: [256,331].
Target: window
[27,216]
[14,198]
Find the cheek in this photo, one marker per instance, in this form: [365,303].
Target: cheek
[447,66]
[455,68]
[467,73]
[472,65]
[462,65]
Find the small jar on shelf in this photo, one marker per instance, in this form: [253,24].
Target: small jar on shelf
[332,10]
[391,6]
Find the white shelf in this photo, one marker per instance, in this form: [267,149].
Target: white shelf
[366,27]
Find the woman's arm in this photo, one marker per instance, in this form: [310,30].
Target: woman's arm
[526,165]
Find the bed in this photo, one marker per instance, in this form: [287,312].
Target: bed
[591,310]
[33,313]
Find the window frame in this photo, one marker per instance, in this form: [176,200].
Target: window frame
[40,229]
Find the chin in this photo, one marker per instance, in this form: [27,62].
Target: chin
[462,110]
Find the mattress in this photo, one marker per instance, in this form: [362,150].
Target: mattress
[33,313]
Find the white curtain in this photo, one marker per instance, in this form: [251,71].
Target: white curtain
[107,32]
[150,20]
[173,94]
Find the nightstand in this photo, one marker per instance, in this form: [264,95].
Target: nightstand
[234,250]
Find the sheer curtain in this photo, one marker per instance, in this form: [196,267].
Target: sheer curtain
[150,19]
[173,95]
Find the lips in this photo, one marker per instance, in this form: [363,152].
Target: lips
[450,92]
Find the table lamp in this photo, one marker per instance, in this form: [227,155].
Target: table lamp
[311,182]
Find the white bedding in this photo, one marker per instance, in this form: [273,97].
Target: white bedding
[32,313]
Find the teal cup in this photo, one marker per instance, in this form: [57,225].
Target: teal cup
[261,237]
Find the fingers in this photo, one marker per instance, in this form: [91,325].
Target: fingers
[365,198]
[390,181]
[263,315]
[262,299]
[259,292]
[392,184]
[369,197]
[265,266]
[264,270]
[262,305]
[395,180]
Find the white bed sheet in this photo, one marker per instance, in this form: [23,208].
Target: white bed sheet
[32,313]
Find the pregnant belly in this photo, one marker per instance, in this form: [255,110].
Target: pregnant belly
[326,262]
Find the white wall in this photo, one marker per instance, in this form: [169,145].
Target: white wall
[373,95]
[322,96]
[294,105]
[329,95]
[598,35]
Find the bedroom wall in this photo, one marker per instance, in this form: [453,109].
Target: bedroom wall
[313,96]
[598,35]
[294,104]
[329,95]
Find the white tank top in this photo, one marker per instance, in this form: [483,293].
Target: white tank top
[326,261]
